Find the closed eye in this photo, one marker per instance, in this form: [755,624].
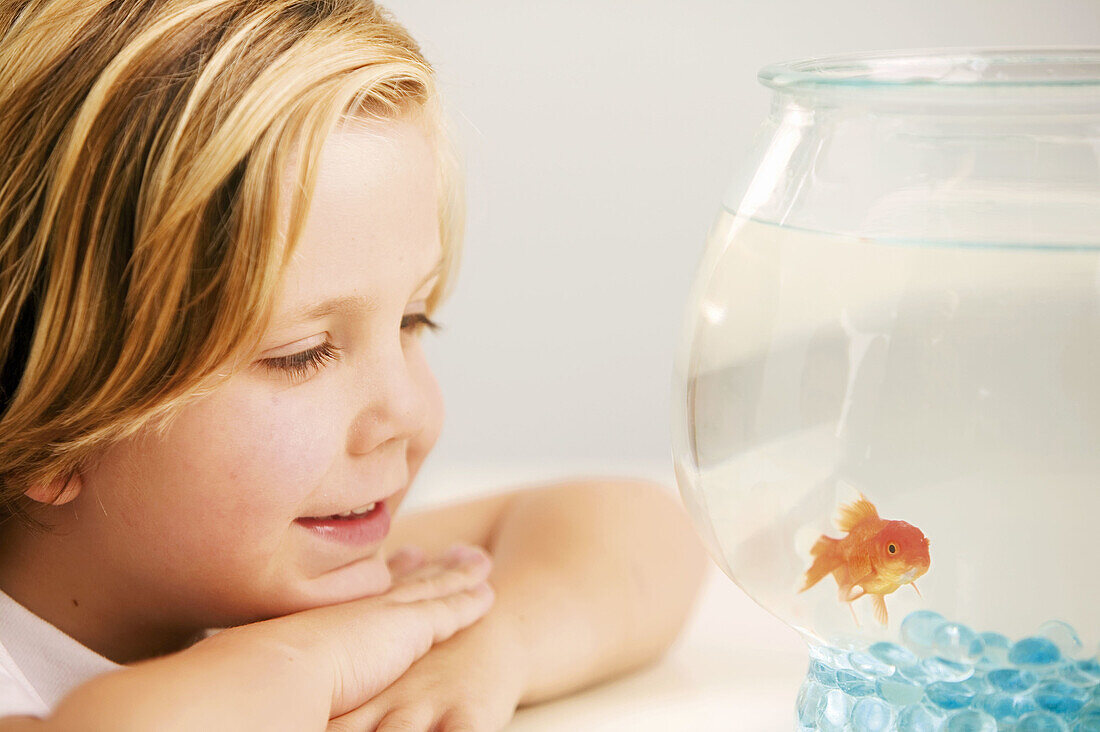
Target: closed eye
[415,322]
[302,364]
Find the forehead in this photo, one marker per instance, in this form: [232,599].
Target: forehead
[372,228]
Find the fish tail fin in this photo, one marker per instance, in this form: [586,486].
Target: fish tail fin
[826,559]
[851,515]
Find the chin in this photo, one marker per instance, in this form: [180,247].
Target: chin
[364,578]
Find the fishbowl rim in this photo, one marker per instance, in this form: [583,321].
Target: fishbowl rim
[953,67]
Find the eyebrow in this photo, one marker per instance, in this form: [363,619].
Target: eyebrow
[342,304]
[348,304]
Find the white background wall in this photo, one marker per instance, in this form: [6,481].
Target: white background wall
[599,137]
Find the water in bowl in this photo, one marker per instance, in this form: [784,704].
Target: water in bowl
[955,385]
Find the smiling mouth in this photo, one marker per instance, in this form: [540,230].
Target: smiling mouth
[357,512]
[358,529]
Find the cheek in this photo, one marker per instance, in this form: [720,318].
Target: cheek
[278,446]
[251,451]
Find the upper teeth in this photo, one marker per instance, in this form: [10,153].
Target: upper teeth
[357,511]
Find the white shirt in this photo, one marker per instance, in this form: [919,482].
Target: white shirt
[39,664]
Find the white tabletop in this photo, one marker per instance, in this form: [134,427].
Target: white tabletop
[735,667]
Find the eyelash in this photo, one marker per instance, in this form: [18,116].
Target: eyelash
[300,364]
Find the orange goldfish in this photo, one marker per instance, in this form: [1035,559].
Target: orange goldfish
[875,558]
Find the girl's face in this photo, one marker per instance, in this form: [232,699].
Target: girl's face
[202,523]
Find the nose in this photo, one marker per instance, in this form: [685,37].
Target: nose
[393,401]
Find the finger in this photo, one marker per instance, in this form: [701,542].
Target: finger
[459,720]
[452,613]
[451,558]
[361,719]
[401,634]
[457,557]
[404,719]
[438,580]
[405,560]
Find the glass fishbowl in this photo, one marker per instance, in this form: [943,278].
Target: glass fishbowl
[886,414]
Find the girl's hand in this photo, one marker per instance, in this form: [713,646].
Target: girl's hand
[473,682]
[368,643]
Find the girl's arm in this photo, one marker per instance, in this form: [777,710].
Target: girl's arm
[592,579]
[222,682]
[287,673]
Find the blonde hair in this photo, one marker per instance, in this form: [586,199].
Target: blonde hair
[140,246]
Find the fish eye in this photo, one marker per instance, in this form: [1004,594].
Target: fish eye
[892,548]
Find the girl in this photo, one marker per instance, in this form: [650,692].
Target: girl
[223,226]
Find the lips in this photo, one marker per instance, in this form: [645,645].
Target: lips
[351,512]
[347,514]
[358,529]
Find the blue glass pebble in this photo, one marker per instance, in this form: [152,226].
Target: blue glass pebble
[918,630]
[956,642]
[868,664]
[1060,697]
[977,684]
[854,684]
[1088,720]
[947,695]
[918,673]
[833,657]
[970,720]
[900,692]
[945,677]
[1034,652]
[834,713]
[916,718]
[995,651]
[1090,667]
[1012,680]
[1003,706]
[810,698]
[824,675]
[872,715]
[1041,722]
[1063,636]
[893,654]
[1072,673]
[940,669]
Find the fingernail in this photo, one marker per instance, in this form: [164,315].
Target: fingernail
[403,553]
[460,554]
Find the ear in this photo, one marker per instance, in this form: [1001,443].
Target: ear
[48,492]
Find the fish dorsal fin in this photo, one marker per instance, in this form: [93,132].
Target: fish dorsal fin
[851,515]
